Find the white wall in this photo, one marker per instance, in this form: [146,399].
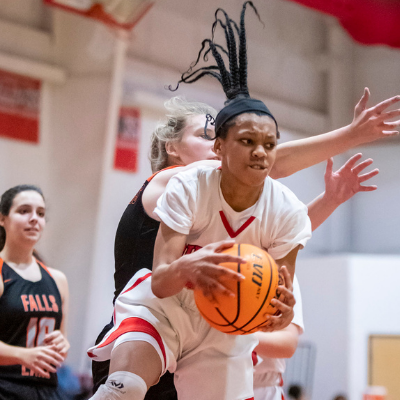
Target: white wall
[345,299]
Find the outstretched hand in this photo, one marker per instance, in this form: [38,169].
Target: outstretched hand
[344,183]
[372,123]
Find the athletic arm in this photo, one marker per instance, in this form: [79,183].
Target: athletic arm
[172,271]
[340,186]
[369,124]
[58,338]
[278,344]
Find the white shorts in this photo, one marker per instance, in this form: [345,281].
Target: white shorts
[268,393]
[208,364]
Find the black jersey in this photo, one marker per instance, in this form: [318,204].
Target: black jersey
[133,250]
[28,311]
[134,241]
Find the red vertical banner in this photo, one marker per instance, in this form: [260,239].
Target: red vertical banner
[19,107]
[127,143]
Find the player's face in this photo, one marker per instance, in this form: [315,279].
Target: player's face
[25,222]
[194,146]
[248,152]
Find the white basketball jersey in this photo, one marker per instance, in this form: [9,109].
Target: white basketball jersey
[193,204]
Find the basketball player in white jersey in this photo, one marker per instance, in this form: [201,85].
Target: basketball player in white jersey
[283,225]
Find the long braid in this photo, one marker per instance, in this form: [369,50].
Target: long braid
[243,47]
[231,44]
[234,80]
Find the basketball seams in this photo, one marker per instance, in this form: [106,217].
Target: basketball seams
[229,323]
[260,308]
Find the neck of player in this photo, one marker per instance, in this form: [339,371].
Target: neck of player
[17,254]
[238,195]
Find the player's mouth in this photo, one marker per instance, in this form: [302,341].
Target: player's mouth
[258,167]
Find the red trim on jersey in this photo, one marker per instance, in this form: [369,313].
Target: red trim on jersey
[281,382]
[134,324]
[254,358]
[44,267]
[283,397]
[137,282]
[164,169]
[1,265]
[229,229]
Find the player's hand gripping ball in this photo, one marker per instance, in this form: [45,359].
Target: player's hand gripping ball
[244,313]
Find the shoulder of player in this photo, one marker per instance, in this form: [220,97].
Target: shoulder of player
[60,279]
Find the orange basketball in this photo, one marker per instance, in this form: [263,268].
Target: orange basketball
[244,313]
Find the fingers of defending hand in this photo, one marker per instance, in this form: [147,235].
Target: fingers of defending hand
[390,133]
[351,162]
[329,167]
[389,115]
[368,175]
[380,107]
[364,164]
[370,188]
[362,104]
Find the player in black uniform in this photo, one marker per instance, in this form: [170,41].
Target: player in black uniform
[33,301]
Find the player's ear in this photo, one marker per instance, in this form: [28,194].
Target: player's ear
[218,146]
[2,217]
[170,148]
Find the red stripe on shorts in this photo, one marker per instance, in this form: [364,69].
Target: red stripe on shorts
[134,324]
[137,282]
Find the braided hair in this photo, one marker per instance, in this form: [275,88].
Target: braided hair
[234,80]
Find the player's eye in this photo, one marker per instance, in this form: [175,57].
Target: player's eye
[247,141]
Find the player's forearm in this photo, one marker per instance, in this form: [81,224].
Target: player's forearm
[10,355]
[280,344]
[167,279]
[320,209]
[299,154]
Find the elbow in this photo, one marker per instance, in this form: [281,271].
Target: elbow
[290,348]
[156,289]
[289,351]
